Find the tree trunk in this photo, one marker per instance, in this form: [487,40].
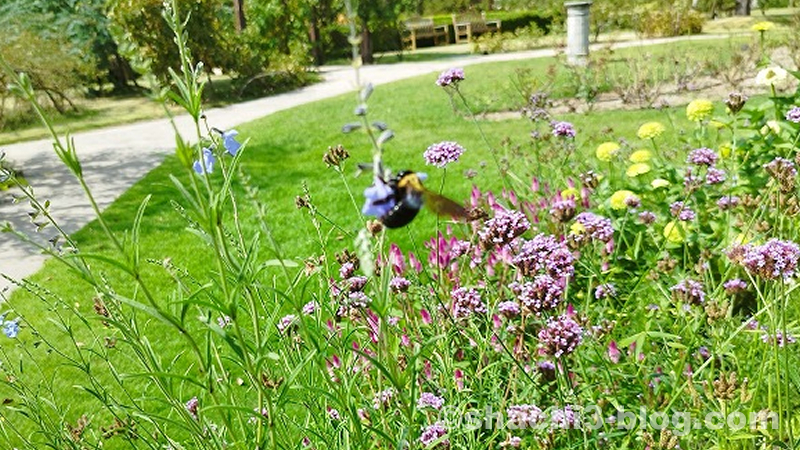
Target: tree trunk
[742,7]
[313,37]
[366,46]
[239,22]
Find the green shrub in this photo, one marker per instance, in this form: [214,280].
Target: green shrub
[665,20]
[514,20]
[522,39]
[54,71]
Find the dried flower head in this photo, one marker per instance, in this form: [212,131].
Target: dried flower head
[335,156]
[735,102]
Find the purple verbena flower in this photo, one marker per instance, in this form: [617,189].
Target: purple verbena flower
[565,418]
[504,227]
[450,77]
[192,407]
[778,339]
[399,284]
[524,416]
[728,202]
[647,217]
[542,294]
[681,211]
[598,227]
[508,308]
[563,129]
[286,322]
[560,336]
[310,307]
[691,181]
[544,254]
[703,156]
[430,400]
[689,291]
[563,209]
[466,302]
[715,176]
[443,153]
[383,398]
[605,290]
[775,259]
[734,286]
[347,270]
[433,433]
[334,414]
[793,115]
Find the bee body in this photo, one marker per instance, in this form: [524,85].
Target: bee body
[407,197]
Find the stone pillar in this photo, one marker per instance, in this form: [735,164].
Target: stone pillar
[577,32]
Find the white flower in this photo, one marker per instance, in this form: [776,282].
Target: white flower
[772,76]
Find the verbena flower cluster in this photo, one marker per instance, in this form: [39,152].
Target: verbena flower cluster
[450,77]
[776,259]
[544,254]
[443,153]
[563,129]
[503,228]
[560,336]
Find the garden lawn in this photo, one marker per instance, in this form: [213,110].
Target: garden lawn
[285,152]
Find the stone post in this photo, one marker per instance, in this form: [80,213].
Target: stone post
[577,32]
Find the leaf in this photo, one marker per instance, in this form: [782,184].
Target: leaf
[137,224]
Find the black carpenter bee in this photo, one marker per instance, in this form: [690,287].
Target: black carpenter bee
[397,201]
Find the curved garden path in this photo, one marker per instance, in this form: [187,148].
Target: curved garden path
[115,158]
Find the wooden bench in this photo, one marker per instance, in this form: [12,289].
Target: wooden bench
[473,23]
[422,28]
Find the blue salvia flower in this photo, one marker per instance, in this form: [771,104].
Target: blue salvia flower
[207,163]
[230,143]
[11,328]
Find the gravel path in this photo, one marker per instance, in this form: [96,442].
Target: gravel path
[115,158]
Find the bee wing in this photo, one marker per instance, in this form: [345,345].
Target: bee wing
[443,206]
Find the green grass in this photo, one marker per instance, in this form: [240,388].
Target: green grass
[285,151]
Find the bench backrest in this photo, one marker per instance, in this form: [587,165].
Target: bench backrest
[419,24]
[476,20]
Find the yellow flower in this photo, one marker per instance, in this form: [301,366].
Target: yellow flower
[618,199]
[763,26]
[674,232]
[699,110]
[773,126]
[607,150]
[650,130]
[772,76]
[634,170]
[640,156]
[577,228]
[659,183]
[725,150]
[570,192]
